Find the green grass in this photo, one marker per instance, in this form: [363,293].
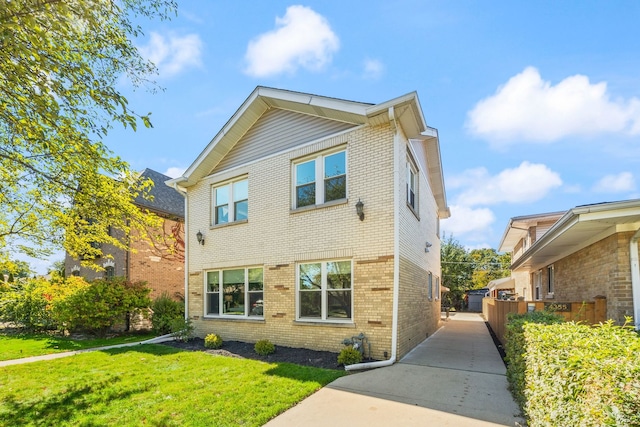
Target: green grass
[153,385]
[17,346]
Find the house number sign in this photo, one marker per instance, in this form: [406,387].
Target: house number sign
[558,306]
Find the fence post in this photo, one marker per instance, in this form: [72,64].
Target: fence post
[600,312]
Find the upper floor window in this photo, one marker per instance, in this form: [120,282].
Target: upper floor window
[231,202]
[235,292]
[320,179]
[412,186]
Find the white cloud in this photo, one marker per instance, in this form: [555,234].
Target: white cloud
[526,183]
[529,108]
[174,172]
[466,220]
[373,69]
[623,182]
[302,38]
[173,54]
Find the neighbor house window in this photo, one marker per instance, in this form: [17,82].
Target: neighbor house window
[550,279]
[537,284]
[231,202]
[325,290]
[235,292]
[320,179]
[412,186]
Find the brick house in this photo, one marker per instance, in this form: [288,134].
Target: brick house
[314,219]
[588,251]
[159,262]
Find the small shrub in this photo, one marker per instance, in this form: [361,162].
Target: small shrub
[165,311]
[182,329]
[264,347]
[349,356]
[213,341]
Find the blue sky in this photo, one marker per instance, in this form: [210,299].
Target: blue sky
[537,104]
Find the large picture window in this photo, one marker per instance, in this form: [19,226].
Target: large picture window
[325,291]
[235,292]
[231,202]
[320,179]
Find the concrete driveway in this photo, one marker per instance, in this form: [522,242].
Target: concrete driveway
[454,378]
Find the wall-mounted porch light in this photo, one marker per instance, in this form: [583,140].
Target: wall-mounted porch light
[360,209]
[200,238]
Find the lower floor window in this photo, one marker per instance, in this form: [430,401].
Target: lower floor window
[235,292]
[325,290]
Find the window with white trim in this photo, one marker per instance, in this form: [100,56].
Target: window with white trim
[537,284]
[550,280]
[231,201]
[437,288]
[412,186]
[320,179]
[430,286]
[325,291]
[235,292]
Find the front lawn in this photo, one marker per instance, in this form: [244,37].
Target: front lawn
[19,345]
[153,385]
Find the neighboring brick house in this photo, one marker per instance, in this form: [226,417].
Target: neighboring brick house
[314,219]
[588,251]
[159,262]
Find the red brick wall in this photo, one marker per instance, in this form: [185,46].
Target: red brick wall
[160,263]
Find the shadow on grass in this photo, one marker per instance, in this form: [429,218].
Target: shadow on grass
[54,409]
[305,373]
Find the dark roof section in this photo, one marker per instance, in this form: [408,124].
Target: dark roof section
[164,200]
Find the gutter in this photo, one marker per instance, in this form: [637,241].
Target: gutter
[635,277]
[186,247]
[396,257]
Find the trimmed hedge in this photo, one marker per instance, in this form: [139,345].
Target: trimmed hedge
[574,374]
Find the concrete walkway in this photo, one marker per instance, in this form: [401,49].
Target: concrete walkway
[454,378]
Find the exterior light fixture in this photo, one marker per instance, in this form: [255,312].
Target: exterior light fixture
[360,209]
[200,238]
[427,246]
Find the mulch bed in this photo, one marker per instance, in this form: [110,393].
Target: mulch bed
[243,350]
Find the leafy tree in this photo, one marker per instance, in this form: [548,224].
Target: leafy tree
[488,265]
[457,271]
[14,268]
[60,61]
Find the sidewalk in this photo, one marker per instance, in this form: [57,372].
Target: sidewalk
[454,378]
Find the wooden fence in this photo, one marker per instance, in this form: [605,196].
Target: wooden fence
[495,311]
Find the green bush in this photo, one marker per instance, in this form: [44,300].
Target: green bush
[264,347]
[213,341]
[349,356]
[165,311]
[515,347]
[101,305]
[182,329]
[26,305]
[582,375]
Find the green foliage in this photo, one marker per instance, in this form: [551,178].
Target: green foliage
[577,374]
[61,63]
[25,304]
[182,329]
[349,356]
[516,349]
[457,271]
[264,347]
[488,265]
[212,341]
[165,311]
[14,268]
[101,305]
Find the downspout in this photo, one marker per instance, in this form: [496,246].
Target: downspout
[635,277]
[186,248]
[396,254]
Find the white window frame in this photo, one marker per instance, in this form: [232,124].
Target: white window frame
[437,288]
[319,176]
[430,286]
[231,203]
[323,291]
[537,285]
[550,280]
[412,185]
[247,309]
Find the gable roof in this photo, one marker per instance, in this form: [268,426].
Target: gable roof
[404,109]
[162,200]
[578,228]
[518,228]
